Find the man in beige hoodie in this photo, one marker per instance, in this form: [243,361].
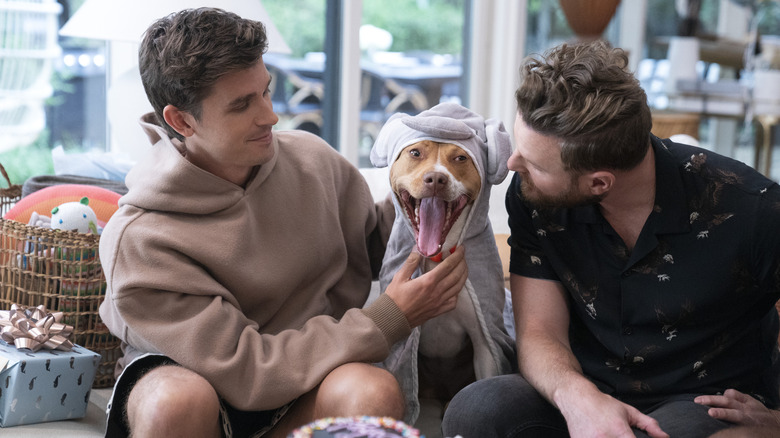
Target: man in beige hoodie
[240,261]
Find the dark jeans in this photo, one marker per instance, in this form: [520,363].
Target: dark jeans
[508,407]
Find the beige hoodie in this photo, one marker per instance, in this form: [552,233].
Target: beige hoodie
[259,290]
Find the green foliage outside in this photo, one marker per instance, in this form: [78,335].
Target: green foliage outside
[769,21]
[434,25]
[301,23]
[25,161]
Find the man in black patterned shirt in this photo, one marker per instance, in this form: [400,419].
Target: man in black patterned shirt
[644,272]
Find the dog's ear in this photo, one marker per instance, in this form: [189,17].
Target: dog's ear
[382,152]
[499,148]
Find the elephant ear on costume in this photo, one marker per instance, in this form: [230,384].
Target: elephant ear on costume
[499,148]
[382,152]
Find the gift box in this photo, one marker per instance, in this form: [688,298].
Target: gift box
[43,376]
[47,385]
[60,270]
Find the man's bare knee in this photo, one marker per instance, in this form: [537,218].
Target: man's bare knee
[173,401]
[359,389]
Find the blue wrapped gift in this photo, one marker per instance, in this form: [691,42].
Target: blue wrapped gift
[47,385]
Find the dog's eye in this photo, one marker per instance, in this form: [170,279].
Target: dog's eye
[461,158]
[414,152]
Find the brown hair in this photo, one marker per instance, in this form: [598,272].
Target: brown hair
[182,56]
[584,95]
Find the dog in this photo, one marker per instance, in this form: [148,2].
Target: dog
[436,183]
[443,163]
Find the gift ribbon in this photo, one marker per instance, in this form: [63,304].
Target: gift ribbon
[34,328]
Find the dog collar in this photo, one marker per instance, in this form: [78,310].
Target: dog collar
[438,257]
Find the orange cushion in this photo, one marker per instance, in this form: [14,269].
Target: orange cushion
[102,201]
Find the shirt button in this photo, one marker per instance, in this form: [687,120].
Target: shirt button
[627,331]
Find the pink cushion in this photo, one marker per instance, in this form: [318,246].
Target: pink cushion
[102,201]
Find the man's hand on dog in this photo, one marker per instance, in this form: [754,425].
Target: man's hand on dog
[432,293]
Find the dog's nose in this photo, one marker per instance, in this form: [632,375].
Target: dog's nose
[435,180]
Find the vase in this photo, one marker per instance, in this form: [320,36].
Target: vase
[589,18]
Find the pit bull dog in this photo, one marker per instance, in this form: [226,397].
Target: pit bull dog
[443,163]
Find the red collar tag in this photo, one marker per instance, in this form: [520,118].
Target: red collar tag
[438,257]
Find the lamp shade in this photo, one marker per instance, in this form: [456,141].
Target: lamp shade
[122,20]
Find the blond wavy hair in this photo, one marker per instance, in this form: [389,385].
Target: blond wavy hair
[584,95]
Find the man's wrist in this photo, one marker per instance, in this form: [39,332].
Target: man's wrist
[572,389]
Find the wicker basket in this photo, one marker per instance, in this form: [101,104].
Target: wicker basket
[8,195]
[667,124]
[62,271]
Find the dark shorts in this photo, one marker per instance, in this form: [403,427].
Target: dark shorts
[235,423]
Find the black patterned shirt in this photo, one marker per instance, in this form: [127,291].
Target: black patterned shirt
[691,309]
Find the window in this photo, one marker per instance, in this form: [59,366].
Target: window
[405,55]
[407,64]
[52,91]
[725,33]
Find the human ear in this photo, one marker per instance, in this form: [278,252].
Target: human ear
[180,121]
[600,182]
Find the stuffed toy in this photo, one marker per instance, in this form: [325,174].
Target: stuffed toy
[74,216]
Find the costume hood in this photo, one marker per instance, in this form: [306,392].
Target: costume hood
[486,141]
[448,123]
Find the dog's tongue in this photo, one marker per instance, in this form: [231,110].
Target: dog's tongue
[433,213]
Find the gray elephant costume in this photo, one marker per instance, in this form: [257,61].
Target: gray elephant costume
[489,146]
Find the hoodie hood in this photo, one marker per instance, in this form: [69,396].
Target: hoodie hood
[165,180]
[486,141]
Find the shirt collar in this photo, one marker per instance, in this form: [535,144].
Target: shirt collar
[670,195]
[671,198]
